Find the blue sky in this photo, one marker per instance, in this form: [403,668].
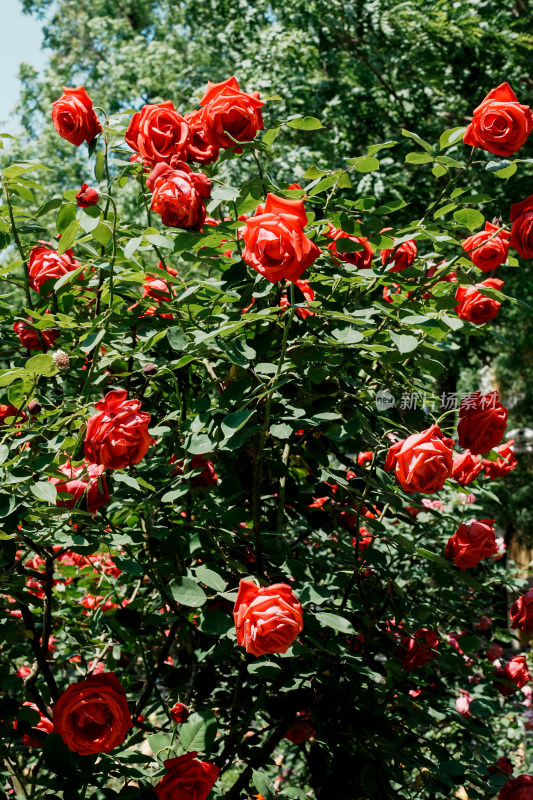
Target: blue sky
[21,41]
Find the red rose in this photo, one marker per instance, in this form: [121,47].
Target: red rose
[419,649]
[307,292]
[482,421]
[11,411]
[227,110]
[388,291]
[45,725]
[520,788]
[516,672]
[503,764]
[86,481]
[74,118]
[274,240]
[474,306]
[522,227]
[118,435]
[500,124]
[179,713]
[486,250]
[466,468]
[34,339]
[301,730]
[186,778]
[158,132]
[422,462]
[362,458]
[362,259]
[93,716]
[199,148]
[504,464]
[522,612]
[470,543]
[178,195]
[45,264]
[87,196]
[267,619]
[404,255]
[207,476]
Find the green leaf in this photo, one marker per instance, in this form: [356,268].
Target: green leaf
[129,480]
[199,732]
[42,364]
[7,504]
[210,578]
[506,173]
[469,218]
[177,339]
[281,431]
[235,421]
[419,158]
[451,136]
[4,453]
[336,622]
[265,670]
[65,216]
[18,392]
[404,342]
[99,166]
[68,277]
[67,238]
[364,163]
[44,490]
[187,592]
[305,124]
[91,340]
[263,784]
[132,246]
[270,135]
[416,138]
[375,148]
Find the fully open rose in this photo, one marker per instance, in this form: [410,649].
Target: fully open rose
[93,716]
[419,649]
[45,264]
[482,421]
[74,117]
[488,249]
[360,258]
[199,148]
[505,462]
[34,339]
[475,306]
[118,435]
[157,133]
[520,788]
[267,618]
[471,543]
[399,257]
[274,240]
[85,481]
[229,114]
[500,123]
[466,468]
[422,462]
[516,672]
[186,778]
[179,194]
[522,227]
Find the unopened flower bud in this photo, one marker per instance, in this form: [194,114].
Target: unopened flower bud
[34,407]
[150,370]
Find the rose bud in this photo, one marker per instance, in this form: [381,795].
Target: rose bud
[500,124]
[150,370]
[87,196]
[179,713]
[34,407]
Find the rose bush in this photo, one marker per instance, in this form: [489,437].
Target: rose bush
[227,531]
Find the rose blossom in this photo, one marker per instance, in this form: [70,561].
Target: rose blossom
[228,110]
[34,339]
[520,788]
[503,764]
[300,731]
[87,481]
[476,307]
[398,258]
[267,618]
[488,249]
[186,778]
[505,462]
[522,612]
[275,244]
[45,725]
[482,421]
[500,123]
[158,132]
[362,259]
[466,468]
[74,118]
[199,149]
[462,704]
[118,435]
[522,227]
[471,543]
[179,194]
[45,264]
[92,716]
[419,649]
[87,196]
[515,671]
[179,712]
[422,462]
